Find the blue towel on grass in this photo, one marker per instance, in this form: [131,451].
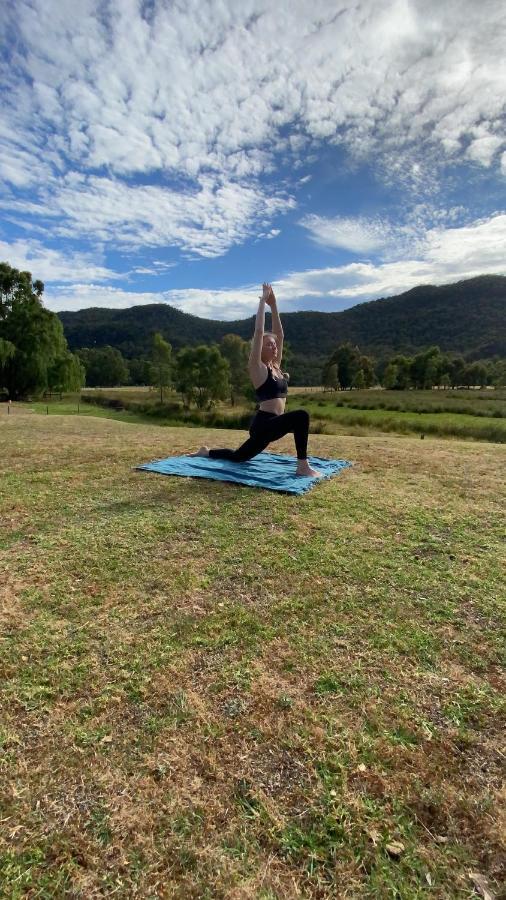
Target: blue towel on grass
[267,470]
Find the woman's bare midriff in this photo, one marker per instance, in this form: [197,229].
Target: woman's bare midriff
[277,405]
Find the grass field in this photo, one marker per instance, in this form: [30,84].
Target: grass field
[469,415]
[338,419]
[476,415]
[212,691]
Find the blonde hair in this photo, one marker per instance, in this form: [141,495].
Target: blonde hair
[265,334]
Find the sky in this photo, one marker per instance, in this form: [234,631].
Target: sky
[185,151]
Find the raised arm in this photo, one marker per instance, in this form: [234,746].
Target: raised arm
[255,356]
[276,324]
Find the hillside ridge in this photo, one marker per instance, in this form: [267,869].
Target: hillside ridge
[467,317]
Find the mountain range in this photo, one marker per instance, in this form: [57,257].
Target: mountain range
[466,318]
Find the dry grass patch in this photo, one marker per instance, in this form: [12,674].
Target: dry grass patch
[213,691]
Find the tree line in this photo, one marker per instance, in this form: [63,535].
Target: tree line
[203,375]
[465,318]
[348,368]
[35,359]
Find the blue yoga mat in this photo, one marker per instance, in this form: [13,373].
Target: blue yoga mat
[272,471]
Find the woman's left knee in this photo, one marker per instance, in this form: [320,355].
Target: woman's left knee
[303,416]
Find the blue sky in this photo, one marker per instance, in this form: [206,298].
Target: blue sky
[184,152]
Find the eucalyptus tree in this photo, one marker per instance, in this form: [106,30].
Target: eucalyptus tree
[31,336]
[202,376]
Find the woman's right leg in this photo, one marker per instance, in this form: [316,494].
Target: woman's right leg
[297,423]
[268,427]
[257,441]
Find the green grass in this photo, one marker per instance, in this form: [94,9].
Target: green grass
[214,691]
[484,402]
[467,415]
[407,414]
[73,407]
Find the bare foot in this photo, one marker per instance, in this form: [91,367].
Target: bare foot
[303,468]
[204,451]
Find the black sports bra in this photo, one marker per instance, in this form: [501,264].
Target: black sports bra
[272,388]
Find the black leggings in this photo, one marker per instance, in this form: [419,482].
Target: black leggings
[266,427]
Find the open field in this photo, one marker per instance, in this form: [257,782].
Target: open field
[211,691]
[141,393]
[468,415]
[333,419]
[485,402]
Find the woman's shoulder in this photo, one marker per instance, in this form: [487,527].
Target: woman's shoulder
[258,373]
[258,368]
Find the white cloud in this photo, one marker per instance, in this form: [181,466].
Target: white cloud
[426,232]
[358,235]
[206,91]
[54,265]
[153,270]
[268,235]
[477,248]
[81,296]
[206,221]
[217,304]
[444,255]
[160,264]
[484,147]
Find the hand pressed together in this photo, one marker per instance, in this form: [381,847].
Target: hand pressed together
[268,294]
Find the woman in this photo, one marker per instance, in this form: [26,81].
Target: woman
[271,385]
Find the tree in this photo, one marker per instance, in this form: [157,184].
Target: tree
[139,371]
[367,367]
[359,380]
[66,374]
[161,356]
[498,374]
[288,355]
[330,377]
[347,358]
[475,374]
[403,379]
[202,376]
[456,371]
[444,365]
[31,337]
[236,352]
[390,376]
[7,351]
[105,366]
[431,373]
[424,368]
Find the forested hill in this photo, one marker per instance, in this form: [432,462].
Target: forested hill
[468,318]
